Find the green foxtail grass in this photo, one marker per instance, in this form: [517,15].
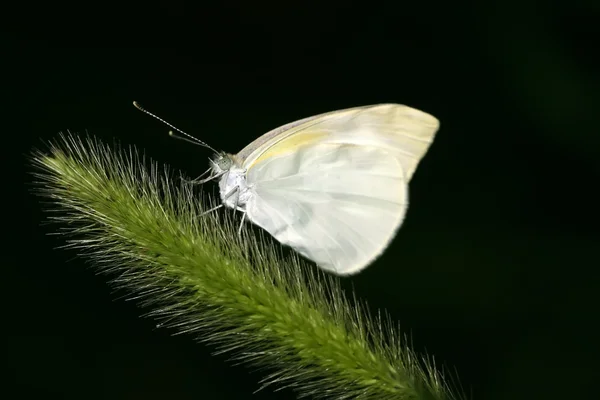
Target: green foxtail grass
[195,274]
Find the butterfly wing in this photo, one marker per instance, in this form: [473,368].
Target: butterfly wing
[337,204]
[404,131]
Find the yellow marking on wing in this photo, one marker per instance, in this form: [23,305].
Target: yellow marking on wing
[289,144]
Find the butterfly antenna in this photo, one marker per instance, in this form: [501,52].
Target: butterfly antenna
[187,137]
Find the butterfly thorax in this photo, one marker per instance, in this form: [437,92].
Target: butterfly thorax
[233,188]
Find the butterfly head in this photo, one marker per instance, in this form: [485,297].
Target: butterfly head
[222,162]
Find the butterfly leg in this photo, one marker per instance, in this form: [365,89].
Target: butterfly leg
[231,193]
[242,210]
[242,223]
[211,210]
[199,181]
[228,195]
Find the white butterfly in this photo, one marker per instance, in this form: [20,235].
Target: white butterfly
[334,187]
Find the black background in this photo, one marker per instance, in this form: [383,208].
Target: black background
[495,271]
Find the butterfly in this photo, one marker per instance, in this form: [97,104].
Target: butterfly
[334,187]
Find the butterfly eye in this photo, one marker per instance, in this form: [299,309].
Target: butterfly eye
[222,162]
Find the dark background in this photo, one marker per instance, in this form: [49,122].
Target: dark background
[495,271]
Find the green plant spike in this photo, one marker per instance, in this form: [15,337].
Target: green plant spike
[198,276]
